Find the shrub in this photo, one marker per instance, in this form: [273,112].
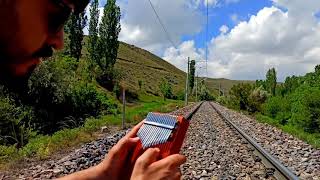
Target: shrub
[256,99]
[222,100]
[239,96]
[306,108]
[166,89]
[15,123]
[278,108]
[181,95]
[62,99]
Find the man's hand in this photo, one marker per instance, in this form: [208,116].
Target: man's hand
[147,167]
[117,164]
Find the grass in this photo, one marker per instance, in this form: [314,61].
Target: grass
[42,146]
[312,139]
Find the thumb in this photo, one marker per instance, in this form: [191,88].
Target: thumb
[148,157]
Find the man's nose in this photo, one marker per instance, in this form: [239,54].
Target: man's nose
[56,40]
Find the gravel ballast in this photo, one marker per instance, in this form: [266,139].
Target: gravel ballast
[300,157]
[86,156]
[216,151]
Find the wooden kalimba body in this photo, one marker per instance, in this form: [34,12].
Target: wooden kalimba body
[162,131]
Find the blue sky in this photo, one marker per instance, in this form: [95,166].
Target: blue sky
[222,15]
[246,37]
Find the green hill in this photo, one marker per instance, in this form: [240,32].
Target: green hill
[137,64]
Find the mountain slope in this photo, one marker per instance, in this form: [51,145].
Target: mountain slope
[137,65]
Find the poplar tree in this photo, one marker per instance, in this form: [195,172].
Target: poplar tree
[93,31]
[192,74]
[271,81]
[74,30]
[109,30]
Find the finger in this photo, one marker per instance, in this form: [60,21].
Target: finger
[134,130]
[177,175]
[173,161]
[148,157]
[125,144]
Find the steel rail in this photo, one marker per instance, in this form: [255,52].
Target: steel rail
[190,114]
[281,172]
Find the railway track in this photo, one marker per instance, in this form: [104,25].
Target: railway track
[278,170]
[224,151]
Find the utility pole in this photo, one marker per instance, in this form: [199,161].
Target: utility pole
[219,89]
[187,83]
[197,86]
[123,107]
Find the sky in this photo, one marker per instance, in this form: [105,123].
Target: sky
[245,37]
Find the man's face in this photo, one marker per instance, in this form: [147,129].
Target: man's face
[26,33]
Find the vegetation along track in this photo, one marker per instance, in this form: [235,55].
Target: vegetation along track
[87,155]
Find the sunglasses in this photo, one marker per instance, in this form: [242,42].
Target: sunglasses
[58,20]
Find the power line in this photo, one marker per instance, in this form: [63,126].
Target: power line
[207,32]
[162,25]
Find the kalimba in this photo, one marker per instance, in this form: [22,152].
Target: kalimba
[163,131]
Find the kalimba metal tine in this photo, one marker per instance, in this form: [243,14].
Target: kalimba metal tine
[152,137]
[149,132]
[156,129]
[163,131]
[145,134]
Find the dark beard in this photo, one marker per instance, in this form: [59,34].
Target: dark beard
[15,84]
[19,84]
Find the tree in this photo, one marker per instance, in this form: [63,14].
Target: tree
[140,82]
[291,83]
[109,31]
[166,89]
[74,30]
[93,32]
[317,69]
[239,95]
[261,83]
[306,108]
[204,93]
[192,74]
[271,81]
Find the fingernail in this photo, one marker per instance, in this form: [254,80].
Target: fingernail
[135,139]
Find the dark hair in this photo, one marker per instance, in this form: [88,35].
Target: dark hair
[80,5]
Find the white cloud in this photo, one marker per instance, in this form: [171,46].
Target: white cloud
[285,36]
[224,29]
[141,27]
[210,2]
[216,2]
[179,56]
[289,41]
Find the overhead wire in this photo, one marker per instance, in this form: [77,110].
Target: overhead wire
[162,25]
[207,34]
